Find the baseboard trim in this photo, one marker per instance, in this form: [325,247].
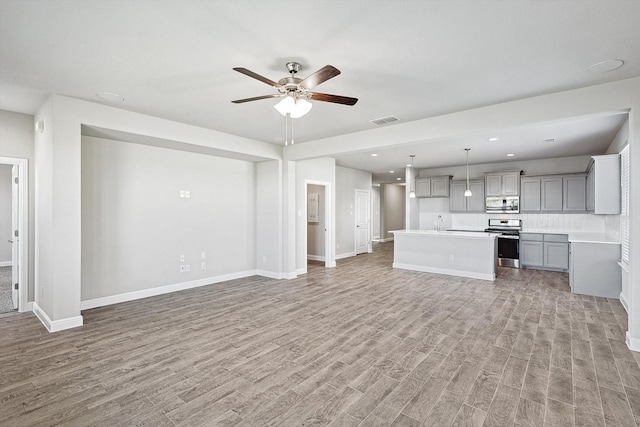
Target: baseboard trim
[389,239]
[633,343]
[315,257]
[275,275]
[623,301]
[445,271]
[27,308]
[6,263]
[345,255]
[301,271]
[145,293]
[56,325]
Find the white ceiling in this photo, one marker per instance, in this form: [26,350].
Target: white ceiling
[408,58]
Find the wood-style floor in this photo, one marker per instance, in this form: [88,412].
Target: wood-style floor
[360,344]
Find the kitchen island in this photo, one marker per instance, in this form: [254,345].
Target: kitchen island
[455,253]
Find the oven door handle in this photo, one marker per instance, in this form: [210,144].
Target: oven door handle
[505,236]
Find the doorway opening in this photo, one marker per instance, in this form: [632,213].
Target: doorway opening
[13,235]
[363,222]
[318,226]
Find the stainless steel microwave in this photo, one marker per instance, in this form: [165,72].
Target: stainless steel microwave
[504,204]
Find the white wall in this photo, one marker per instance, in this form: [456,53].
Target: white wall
[269,218]
[5,215]
[135,225]
[315,230]
[392,197]
[16,140]
[347,182]
[530,167]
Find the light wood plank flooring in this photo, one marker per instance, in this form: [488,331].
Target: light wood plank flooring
[360,344]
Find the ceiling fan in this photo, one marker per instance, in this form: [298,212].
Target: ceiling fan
[295,89]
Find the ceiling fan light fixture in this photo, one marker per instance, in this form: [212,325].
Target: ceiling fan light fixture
[295,107]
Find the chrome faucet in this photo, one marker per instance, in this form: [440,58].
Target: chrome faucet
[438,223]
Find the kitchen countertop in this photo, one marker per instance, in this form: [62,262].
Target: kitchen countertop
[449,233]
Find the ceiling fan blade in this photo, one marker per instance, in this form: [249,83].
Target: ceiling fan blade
[337,99]
[256,76]
[322,75]
[256,98]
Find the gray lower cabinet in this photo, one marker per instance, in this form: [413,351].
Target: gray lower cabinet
[544,251]
[459,203]
[594,269]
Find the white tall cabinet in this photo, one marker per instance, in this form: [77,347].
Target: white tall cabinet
[603,185]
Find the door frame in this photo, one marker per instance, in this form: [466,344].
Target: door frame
[355,245]
[23,230]
[329,253]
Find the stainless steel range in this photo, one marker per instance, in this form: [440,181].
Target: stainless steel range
[508,241]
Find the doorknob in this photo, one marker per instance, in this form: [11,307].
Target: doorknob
[10,241]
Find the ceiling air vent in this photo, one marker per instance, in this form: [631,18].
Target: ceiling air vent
[384,120]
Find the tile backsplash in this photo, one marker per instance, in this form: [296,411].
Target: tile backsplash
[551,221]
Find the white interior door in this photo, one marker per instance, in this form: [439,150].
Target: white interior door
[15,239]
[363,221]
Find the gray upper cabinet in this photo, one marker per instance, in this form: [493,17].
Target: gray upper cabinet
[433,186]
[502,184]
[530,194]
[603,185]
[574,197]
[459,203]
[553,193]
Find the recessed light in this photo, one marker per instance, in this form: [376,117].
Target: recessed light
[408,165]
[374,155]
[606,66]
[398,179]
[493,139]
[392,171]
[510,155]
[549,140]
[111,97]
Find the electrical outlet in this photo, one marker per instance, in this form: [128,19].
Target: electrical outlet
[181,258]
[203,255]
[451,257]
[187,267]
[182,194]
[187,194]
[182,269]
[41,291]
[203,265]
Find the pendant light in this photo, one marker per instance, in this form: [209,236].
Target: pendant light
[467,192]
[412,193]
